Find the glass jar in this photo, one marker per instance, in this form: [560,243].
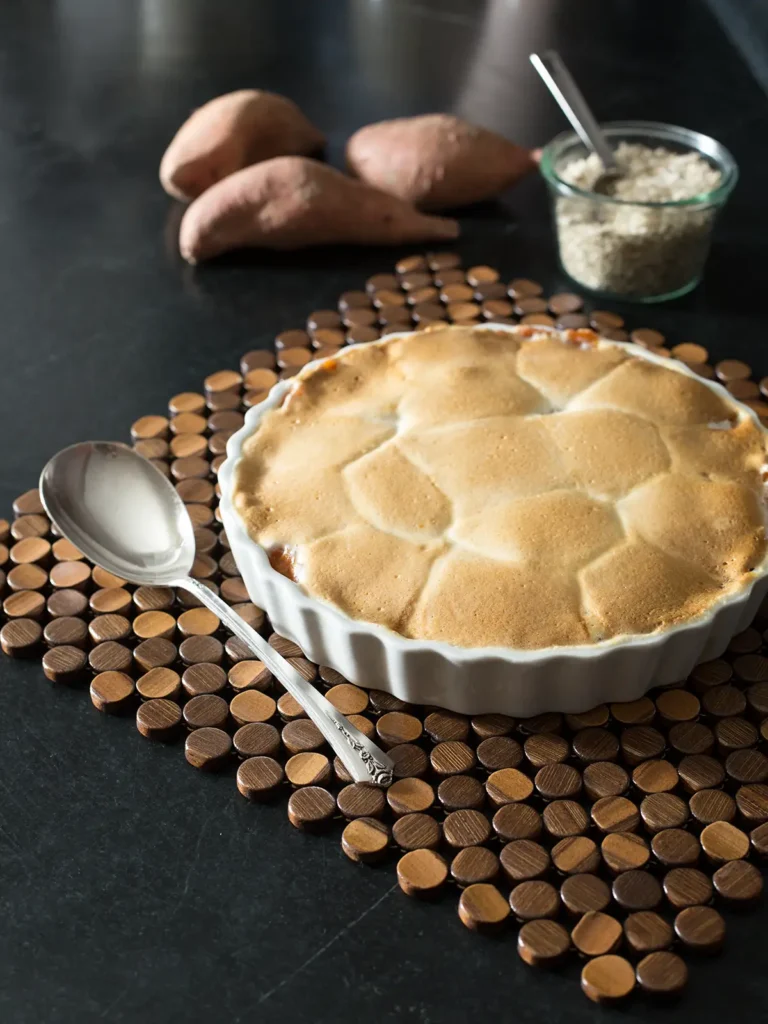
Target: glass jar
[624,249]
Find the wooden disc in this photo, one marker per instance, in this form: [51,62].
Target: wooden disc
[63,664]
[307,769]
[517,821]
[723,842]
[27,577]
[662,974]
[158,719]
[24,604]
[396,727]
[460,792]
[637,890]
[687,887]
[349,699]
[710,805]
[543,943]
[148,427]
[205,711]
[474,864]
[533,900]
[197,622]
[443,726]
[662,811]
[738,883]
[452,757]
[360,800]
[674,847]
[408,796]
[301,736]
[39,526]
[203,678]
[111,601]
[66,629]
[557,781]
[30,549]
[70,575]
[252,706]
[624,851]
[615,814]
[365,840]
[249,675]
[634,712]
[575,854]
[416,832]
[259,778]
[584,892]
[257,739]
[466,828]
[523,860]
[701,929]
[421,872]
[159,683]
[109,627]
[110,691]
[106,580]
[208,749]
[565,818]
[496,752]
[508,785]
[604,778]
[655,776]
[607,979]
[596,934]
[482,907]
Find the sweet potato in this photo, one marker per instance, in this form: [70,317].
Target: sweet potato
[291,202]
[231,132]
[436,161]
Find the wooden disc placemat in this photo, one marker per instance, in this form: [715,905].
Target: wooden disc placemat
[622,837]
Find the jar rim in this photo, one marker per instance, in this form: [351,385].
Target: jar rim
[695,141]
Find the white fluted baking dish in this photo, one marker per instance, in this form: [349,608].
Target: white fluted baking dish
[482,679]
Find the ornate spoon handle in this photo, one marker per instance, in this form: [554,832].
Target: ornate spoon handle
[362,759]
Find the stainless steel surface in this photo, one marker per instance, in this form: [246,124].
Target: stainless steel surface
[562,85]
[125,516]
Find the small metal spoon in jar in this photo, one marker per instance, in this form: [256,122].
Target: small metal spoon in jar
[561,84]
[124,515]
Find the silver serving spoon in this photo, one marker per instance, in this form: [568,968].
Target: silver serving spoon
[123,514]
[561,84]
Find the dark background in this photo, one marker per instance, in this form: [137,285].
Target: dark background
[132,889]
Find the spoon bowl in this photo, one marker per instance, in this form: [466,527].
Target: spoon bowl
[120,511]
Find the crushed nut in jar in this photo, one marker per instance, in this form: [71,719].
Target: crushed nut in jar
[628,248]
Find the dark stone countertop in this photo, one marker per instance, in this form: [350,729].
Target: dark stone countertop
[131,888]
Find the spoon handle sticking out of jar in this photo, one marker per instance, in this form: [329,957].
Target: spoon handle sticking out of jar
[561,84]
[362,759]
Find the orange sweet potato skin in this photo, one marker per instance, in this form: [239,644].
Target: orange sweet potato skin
[436,161]
[293,202]
[231,132]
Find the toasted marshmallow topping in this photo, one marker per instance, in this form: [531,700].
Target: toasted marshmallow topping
[523,489]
